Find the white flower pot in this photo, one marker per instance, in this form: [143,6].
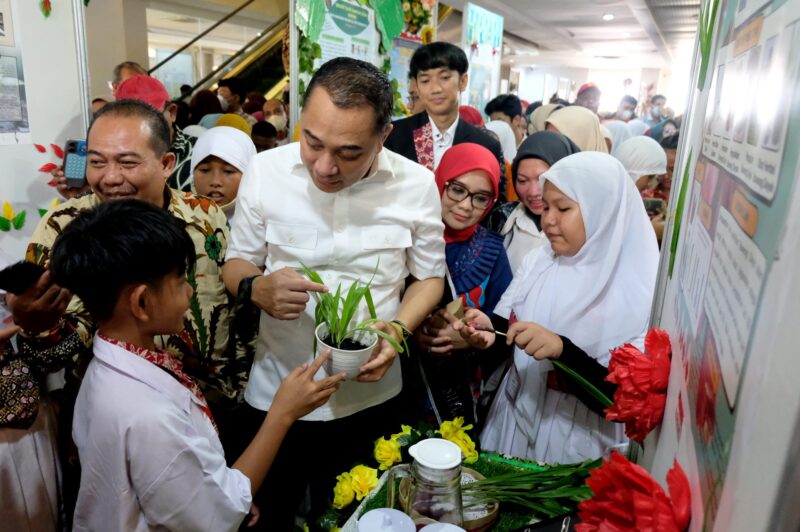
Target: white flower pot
[345,360]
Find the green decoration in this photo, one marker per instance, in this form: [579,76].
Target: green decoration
[390,19]
[19,220]
[676,226]
[5,224]
[707,20]
[309,16]
[46,7]
[42,212]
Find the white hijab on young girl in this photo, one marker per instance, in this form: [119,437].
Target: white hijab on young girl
[599,298]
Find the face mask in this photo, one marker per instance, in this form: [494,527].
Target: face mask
[223,102]
[279,121]
[656,111]
[627,114]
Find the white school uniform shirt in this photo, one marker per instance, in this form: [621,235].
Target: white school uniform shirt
[282,219]
[520,236]
[442,141]
[150,458]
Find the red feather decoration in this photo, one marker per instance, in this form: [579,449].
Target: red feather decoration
[57,150]
[40,148]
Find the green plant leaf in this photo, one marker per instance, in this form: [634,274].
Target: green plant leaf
[588,386]
[19,220]
[676,225]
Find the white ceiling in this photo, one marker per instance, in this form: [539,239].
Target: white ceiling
[643,33]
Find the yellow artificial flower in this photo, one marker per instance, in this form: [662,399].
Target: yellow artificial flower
[387,452]
[363,480]
[8,211]
[405,430]
[455,431]
[343,493]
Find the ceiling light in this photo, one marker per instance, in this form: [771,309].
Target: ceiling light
[510,60]
[626,34]
[579,52]
[608,17]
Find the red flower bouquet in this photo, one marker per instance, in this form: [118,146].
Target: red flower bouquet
[625,498]
[642,382]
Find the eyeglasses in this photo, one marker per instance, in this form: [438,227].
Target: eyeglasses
[458,193]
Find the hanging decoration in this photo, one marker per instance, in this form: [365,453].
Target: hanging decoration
[46,7]
[9,219]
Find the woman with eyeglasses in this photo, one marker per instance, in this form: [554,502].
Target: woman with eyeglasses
[478,273]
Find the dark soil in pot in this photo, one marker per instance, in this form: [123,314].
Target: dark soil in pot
[347,345]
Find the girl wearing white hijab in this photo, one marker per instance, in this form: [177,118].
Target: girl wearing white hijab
[637,127]
[587,292]
[219,158]
[619,134]
[579,125]
[508,142]
[643,159]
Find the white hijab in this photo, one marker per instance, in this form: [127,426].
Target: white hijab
[508,142]
[642,156]
[619,134]
[637,127]
[599,298]
[231,145]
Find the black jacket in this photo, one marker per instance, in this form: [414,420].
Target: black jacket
[401,141]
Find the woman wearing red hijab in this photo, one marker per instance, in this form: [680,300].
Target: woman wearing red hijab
[478,274]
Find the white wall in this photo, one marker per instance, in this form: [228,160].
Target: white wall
[52,88]
[533,84]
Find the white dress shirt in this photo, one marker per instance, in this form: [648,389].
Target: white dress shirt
[520,236]
[442,141]
[150,457]
[282,218]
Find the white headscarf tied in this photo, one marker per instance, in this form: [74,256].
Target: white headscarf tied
[637,127]
[619,134]
[642,156]
[508,142]
[599,298]
[229,144]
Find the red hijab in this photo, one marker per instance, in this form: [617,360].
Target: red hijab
[457,161]
[471,115]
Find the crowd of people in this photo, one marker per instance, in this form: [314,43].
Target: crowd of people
[174,299]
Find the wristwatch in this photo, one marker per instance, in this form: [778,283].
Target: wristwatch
[245,290]
[402,330]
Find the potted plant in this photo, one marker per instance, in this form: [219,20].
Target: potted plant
[350,345]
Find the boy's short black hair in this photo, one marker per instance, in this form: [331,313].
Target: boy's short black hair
[264,129]
[508,104]
[236,86]
[438,55]
[117,244]
[630,99]
[657,97]
[671,142]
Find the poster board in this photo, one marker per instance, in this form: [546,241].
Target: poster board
[722,299]
[56,103]
[483,43]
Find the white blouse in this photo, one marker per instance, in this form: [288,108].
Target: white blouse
[520,236]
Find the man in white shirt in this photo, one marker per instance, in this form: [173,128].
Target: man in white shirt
[340,204]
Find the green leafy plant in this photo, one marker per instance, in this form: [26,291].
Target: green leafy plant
[707,20]
[337,309]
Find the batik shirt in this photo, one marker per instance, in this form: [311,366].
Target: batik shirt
[203,347]
[182,145]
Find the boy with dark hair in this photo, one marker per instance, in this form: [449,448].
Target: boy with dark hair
[508,108]
[146,438]
[233,93]
[264,136]
[440,72]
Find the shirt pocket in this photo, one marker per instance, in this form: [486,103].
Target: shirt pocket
[386,237]
[292,236]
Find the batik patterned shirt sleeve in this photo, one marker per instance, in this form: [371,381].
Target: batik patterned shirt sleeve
[182,145]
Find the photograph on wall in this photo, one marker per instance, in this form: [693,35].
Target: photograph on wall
[349,31]
[483,42]
[14,126]
[6,24]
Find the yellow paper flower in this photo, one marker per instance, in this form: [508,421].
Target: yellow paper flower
[363,480]
[343,493]
[405,430]
[387,452]
[8,211]
[455,431]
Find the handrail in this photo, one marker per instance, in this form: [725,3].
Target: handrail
[201,35]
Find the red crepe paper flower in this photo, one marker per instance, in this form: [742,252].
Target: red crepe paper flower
[57,150]
[40,148]
[642,382]
[48,167]
[625,498]
[52,182]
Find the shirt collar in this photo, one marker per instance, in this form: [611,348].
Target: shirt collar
[384,168]
[446,136]
[143,371]
[519,217]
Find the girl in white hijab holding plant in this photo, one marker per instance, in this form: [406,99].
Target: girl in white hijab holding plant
[587,292]
[219,158]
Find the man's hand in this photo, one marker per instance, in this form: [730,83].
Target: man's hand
[438,335]
[299,394]
[7,332]
[382,356]
[283,294]
[65,190]
[40,306]
[471,329]
[535,340]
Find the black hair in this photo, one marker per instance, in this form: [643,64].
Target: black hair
[264,129]
[438,55]
[532,107]
[119,243]
[159,140]
[508,104]
[353,83]
[656,97]
[630,99]
[671,142]
[236,86]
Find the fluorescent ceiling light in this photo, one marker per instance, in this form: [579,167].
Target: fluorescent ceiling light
[608,17]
